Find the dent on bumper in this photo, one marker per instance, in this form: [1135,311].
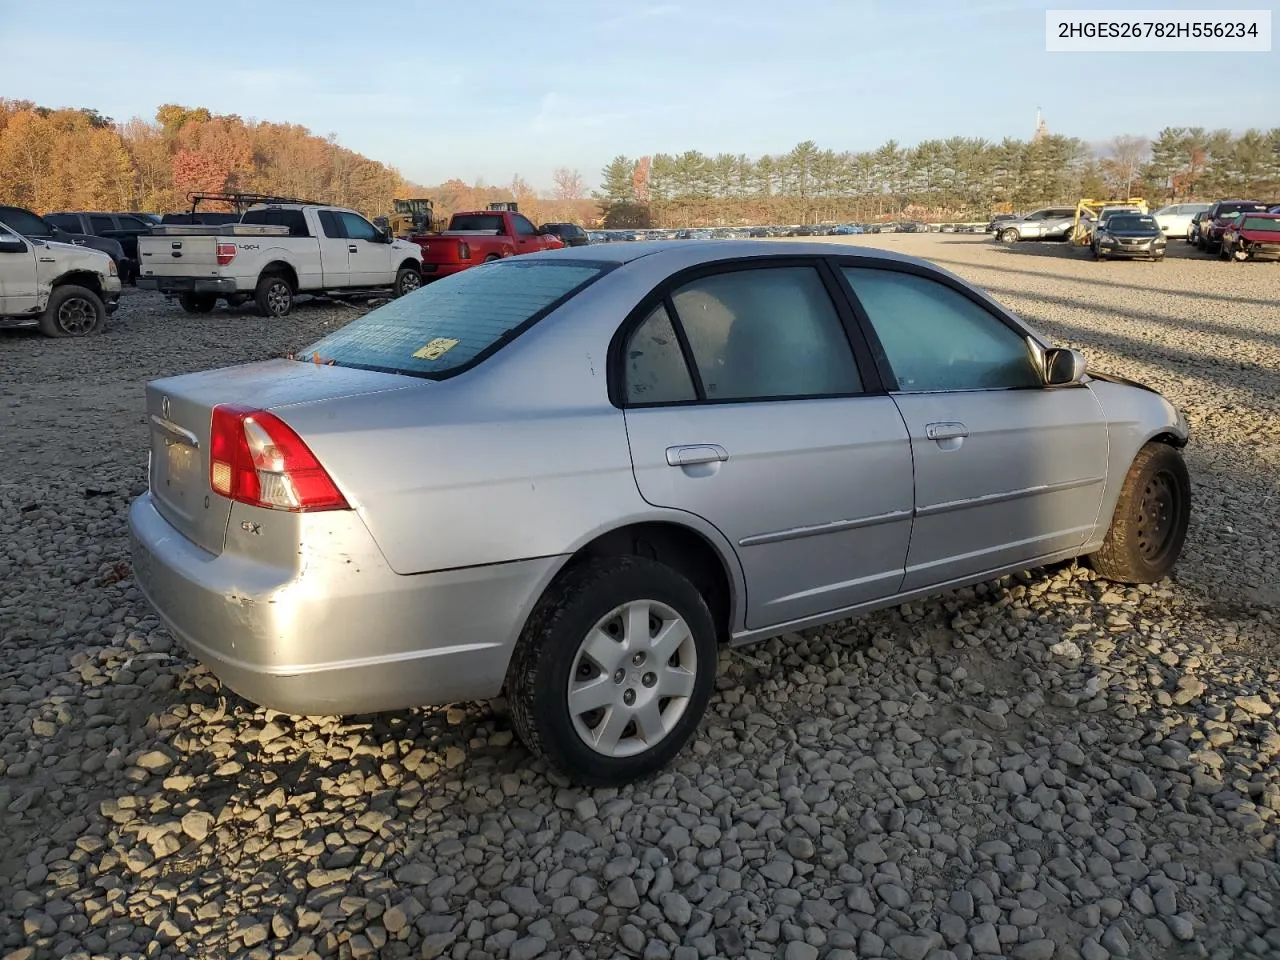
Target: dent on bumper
[342,635]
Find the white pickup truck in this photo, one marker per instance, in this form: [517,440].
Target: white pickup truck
[275,251]
[64,289]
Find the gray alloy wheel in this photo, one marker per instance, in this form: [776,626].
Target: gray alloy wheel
[632,678]
[77,316]
[1009,236]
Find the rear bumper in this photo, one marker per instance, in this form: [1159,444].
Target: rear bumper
[1261,248]
[217,285]
[341,633]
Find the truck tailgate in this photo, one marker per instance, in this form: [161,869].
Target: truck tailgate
[178,256]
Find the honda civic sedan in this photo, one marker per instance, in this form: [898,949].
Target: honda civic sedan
[569,477]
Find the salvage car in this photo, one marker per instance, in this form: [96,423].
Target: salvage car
[570,477]
[1175,219]
[1128,235]
[274,252]
[480,236]
[1051,223]
[1217,218]
[64,289]
[35,227]
[1254,236]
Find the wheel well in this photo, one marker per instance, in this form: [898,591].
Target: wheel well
[1169,439]
[681,549]
[409,262]
[280,267]
[81,278]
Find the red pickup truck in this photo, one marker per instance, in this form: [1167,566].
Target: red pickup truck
[478,236]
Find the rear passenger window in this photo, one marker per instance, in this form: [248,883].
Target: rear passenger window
[331,226]
[765,334]
[102,225]
[656,371]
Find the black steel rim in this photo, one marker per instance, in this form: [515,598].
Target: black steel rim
[76,316]
[1158,513]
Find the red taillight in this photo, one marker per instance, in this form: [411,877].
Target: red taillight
[255,458]
[226,253]
[464,250]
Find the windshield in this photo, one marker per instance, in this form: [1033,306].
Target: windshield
[1260,223]
[476,221]
[1122,221]
[1228,210]
[450,324]
[25,223]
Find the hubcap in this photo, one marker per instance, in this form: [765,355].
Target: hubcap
[1157,517]
[632,678]
[76,316]
[278,297]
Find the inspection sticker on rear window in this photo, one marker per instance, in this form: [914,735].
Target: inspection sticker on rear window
[436,349]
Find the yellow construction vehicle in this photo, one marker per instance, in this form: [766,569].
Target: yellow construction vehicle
[1087,212]
[411,217]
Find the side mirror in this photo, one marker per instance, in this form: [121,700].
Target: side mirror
[1063,366]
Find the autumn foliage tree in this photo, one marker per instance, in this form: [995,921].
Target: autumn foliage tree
[80,160]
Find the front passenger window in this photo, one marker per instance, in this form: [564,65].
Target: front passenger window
[938,339]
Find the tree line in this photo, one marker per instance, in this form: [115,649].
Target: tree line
[77,159]
[960,178]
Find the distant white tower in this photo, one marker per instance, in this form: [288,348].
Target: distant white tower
[1042,129]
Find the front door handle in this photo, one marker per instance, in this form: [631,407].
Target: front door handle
[696,453]
[945,431]
[352,248]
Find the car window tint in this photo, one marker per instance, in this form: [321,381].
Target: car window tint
[523,226]
[766,333]
[938,339]
[358,228]
[447,324]
[656,371]
[102,225]
[476,221]
[330,224]
[134,225]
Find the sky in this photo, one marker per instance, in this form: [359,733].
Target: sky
[489,90]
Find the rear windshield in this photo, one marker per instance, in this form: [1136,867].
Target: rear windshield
[293,219]
[448,325]
[1120,221]
[1235,209]
[476,221]
[1261,223]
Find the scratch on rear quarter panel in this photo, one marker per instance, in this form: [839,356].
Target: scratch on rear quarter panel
[591,365]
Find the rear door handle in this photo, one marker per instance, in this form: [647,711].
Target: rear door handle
[696,453]
[352,248]
[945,431]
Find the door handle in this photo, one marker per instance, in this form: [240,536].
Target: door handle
[352,248]
[945,431]
[696,453]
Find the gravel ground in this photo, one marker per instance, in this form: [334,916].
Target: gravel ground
[1044,766]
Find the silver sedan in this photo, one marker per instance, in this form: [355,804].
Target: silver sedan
[571,476]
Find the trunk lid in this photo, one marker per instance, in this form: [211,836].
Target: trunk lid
[439,248]
[179,410]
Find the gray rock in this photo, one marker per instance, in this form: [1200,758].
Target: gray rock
[623,893]
[527,948]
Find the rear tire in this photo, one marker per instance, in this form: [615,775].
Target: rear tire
[1149,526]
[273,295]
[198,302]
[72,311]
[590,635]
[491,257]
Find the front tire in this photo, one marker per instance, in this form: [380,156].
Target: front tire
[1149,526]
[613,671]
[72,311]
[1009,236]
[408,280]
[273,295]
